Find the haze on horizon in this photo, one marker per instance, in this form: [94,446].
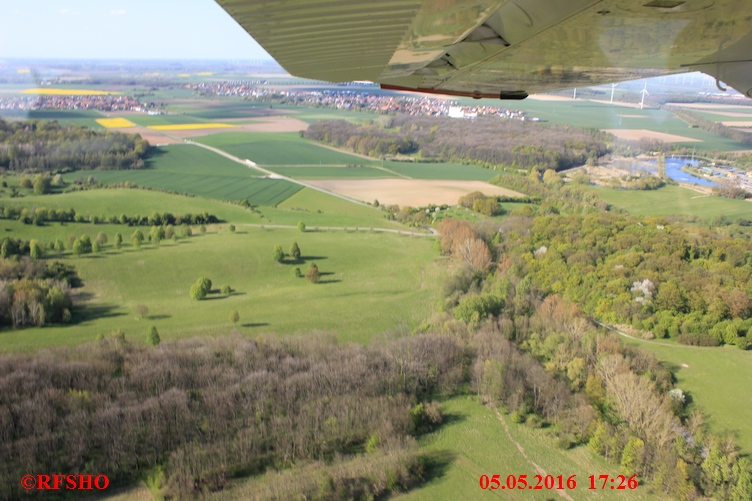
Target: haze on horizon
[120,29]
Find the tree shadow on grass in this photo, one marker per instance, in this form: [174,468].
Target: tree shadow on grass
[436,464]
[94,312]
[303,259]
[257,324]
[158,317]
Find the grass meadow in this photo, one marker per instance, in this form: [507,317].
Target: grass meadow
[86,118]
[674,200]
[719,381]
[370,282]
[473,442]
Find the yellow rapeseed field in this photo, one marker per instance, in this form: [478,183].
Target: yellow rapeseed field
[24,70]
[205,73]
[190,126]
[112,123]
[67,92]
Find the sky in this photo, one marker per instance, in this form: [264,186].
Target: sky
[122,29]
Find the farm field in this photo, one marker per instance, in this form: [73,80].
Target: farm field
[674,200]
[585,113]
[703,374]
[331,172]
[196,171]
[371,282]
[440,171]
[412,192]
[319,209]
[281,148]
[473,442]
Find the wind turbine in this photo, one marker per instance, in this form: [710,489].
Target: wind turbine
[613,86]
[644,93]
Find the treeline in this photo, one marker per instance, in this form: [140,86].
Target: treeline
[207,410]
[538,356]
[35,293]
[47,146]
[660,277]
[41,215]
[703,123]
[485,141]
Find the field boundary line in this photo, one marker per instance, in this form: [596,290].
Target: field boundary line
[359,155]
[342,228]
[537,468]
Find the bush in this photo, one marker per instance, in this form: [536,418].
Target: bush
[295,272]
[278,255]
[226,290]
[313,274]
[295,251]
[232,228]
[152,339]
[197,292]
[301,226]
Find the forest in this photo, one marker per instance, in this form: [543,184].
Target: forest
[46,146]
[485,141]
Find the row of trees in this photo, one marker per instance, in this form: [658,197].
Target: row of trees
[41,215]
[718,128]
[49,147]
[486,141]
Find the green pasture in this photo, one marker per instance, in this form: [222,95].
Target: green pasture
[149,120]
[221,109]
[370,282]
[197,171]
[719,382]
[283,148]
[473,442]
[674,200]
[114,202]
[315,208]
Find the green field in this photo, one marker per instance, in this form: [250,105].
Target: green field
[674,200]
[86,118]
[281,148]
[114,202]
[370,282]
[326,172]
[319,209]
[473,442]
[197,171]
[719,380]
[148,120]
[442,170]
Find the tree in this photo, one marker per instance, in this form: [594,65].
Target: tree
[59,246]
[295,251]
[295,272]
[226,290]
[95,247]
[157,233]
[137,238]
[78,247]
[301,227]
[152,339]
[205,284]
[232,228]
[313,274]
[118,240]
[142,310]
[25,183]
[6,250]
[197,292]
[234,317]
[35,250]
[278,254]
[42,184]
[86,243]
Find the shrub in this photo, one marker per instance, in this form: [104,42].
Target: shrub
[301,226]
[226,290]
[234,317]
[295,251]
[197,292]
[313,274]
[153,337]
[278,254]
[295,272]
[232,228]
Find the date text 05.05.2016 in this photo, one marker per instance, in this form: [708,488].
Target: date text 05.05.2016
[558,482]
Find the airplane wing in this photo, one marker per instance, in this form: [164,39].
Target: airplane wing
[502,48]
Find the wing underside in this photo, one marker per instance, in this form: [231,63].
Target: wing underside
[502,48]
